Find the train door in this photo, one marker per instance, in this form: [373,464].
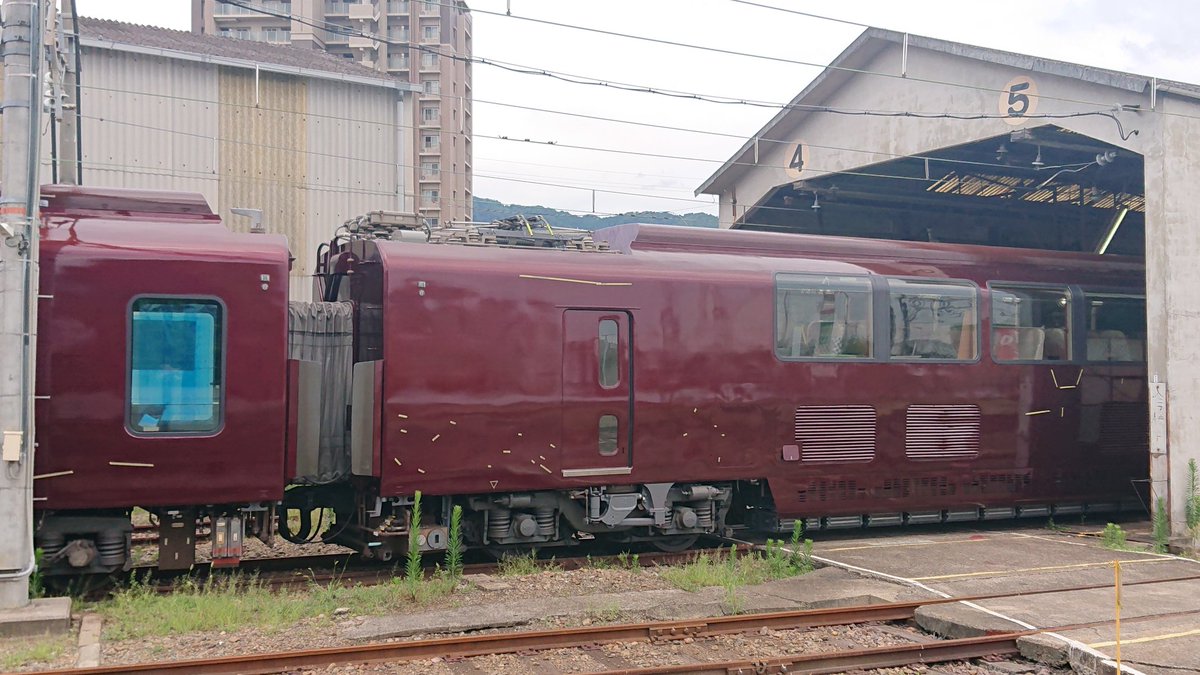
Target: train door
[597,393]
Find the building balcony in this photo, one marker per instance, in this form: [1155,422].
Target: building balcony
[363,12]
[397,7]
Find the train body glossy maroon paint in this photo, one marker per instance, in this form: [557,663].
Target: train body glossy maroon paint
[483,368]
[509,379]
[101,249]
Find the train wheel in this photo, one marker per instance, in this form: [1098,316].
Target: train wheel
[675,544]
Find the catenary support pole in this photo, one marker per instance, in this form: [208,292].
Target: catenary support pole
[20,45]
[70,166]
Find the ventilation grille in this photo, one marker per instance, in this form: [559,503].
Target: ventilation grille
[935,432]
[831,433]
[821,490]
[1124,427]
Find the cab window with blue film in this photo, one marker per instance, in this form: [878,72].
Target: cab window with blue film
[175,364]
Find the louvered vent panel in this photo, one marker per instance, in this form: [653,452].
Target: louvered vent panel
[934,432]
[832,433]
[1124,427]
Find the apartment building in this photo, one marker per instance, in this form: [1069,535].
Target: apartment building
[423,42]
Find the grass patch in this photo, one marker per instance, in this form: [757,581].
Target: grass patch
[232,602]
[726,568]
[518,565]
[42,651]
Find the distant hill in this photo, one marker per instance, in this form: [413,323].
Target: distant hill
[487,210]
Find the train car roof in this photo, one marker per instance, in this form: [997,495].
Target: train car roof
[633,237]
[122,222]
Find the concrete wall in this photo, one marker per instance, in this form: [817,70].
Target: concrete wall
[860,141]
[1173,305]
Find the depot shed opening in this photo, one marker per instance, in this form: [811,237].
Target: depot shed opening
[918,139]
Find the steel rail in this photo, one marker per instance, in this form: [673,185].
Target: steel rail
[881,657]
[858,659]
[659,631]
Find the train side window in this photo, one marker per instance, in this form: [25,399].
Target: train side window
[933,320]
[1031,323]
[176,369]
[608,356]
[608,435]
[822,316]
[1116,327]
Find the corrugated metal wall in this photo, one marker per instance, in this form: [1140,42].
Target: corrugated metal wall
[311,153]
[263,156]
[149,122]
[346,183]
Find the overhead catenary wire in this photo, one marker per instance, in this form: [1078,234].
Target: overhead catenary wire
[909,113]
[395,125]
[1101,106]
[1103,109]
[503,178]
[385,163]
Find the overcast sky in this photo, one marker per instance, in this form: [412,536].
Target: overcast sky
[1155,37]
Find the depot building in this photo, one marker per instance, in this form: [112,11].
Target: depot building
[913,138]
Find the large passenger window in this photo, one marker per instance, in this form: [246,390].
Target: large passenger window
[822,316]
[1031,323]
[933,320]
[1116,329]
[175,366]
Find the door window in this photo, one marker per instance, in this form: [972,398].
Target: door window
[608,435]
[608,356]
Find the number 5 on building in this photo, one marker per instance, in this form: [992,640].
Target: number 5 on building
[1018,100]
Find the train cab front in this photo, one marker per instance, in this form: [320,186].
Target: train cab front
[161,378]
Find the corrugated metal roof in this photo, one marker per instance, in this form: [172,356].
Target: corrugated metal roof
[230,48]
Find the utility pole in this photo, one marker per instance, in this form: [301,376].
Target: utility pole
[70,152]
[21,46]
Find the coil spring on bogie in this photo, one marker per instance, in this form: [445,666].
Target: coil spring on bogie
[499,522]
[111,545]
[51,543]
[704,515]
[545,520]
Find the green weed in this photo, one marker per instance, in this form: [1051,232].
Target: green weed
[629,561]
[412,565]
[454,547]
[37,581]
[1114,537]
[1160,526]
[1192,505]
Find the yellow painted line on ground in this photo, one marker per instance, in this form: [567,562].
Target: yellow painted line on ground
[887,546]
[1036,569]
[1153,638]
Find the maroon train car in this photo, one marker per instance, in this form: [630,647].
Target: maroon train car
[666,384]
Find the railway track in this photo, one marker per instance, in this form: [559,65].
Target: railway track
[525,642]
